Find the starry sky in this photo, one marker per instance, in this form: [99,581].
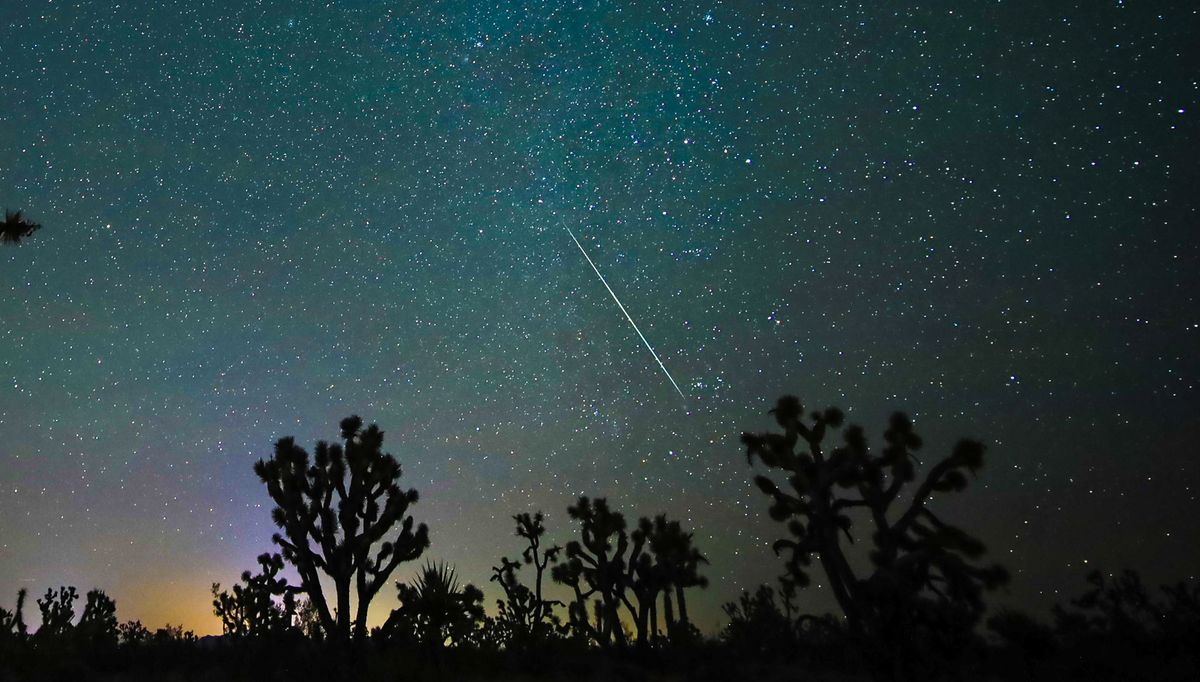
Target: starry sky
[261,217]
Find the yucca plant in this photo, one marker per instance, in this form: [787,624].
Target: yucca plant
[435,611]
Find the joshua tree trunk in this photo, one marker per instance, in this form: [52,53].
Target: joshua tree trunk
[668,611]
[683,617]
[643,624]
[343,608]
[837,569]
[603,634]
[654,618]
[612,618]
[359,631]
[360,621]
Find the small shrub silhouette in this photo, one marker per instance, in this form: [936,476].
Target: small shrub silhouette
[757,625]
[333,510]
[766,625]
[923,595]
[308,621]
[174,634]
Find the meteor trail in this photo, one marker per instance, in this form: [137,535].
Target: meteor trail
[627,315]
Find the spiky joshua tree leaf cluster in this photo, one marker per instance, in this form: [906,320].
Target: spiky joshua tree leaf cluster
[15,228]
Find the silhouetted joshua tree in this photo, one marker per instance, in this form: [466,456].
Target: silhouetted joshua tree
[678,563]
[435,612]
[524,614]
[570,574]
[58,612]
[12,623]
[15,228]
[251,610]
[98,624]
[610,564]
[645,579]
[596,567]
[333,510]
[921,585]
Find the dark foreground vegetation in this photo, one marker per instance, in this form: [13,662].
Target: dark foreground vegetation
[914,611]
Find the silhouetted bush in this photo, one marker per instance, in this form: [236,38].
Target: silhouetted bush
[1118,630]
[758,626]
[766,625]
[133,633]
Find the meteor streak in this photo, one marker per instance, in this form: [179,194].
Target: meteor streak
[626,312]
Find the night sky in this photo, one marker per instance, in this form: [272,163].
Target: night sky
[261,217]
